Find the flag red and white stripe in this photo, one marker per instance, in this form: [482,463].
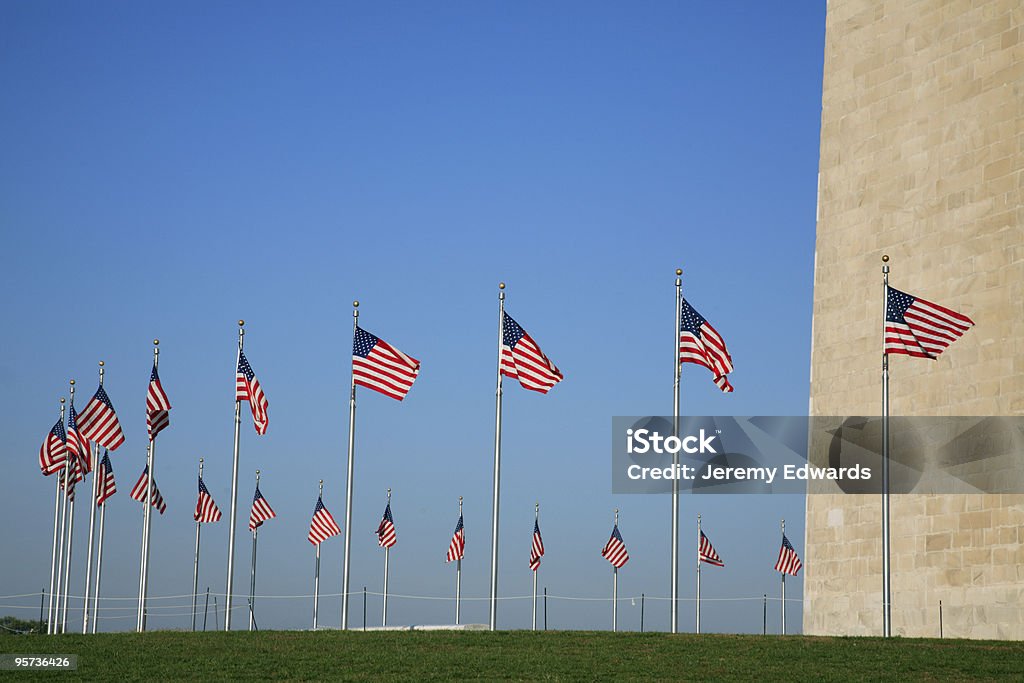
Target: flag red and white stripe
[522,359]
[77,444]
[98,421]
[919,328]
[788,562]
[386,536]
[457,546]
[206,509]
[323,525]
[139,491]
[615,549]
[261,510]
[706,553]
[105,477]
[380,366]
[53,452]
[700,343]
[247,388]
[158,406]
[536,547]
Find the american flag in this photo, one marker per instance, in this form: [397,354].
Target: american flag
[98,421]
[706,553]
[537,548]
[53,452]
[920,328]
[139,491]
[386,536]
[77,444]
[261,510]
[71,475]
[457,548]
[105,477]
[158,406]
[701,344]
[615,550]
[379,366]
[522,359]
[206,509]
[247,388]
[323,525]
[788,562]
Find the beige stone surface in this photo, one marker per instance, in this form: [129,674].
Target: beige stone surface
[922,151]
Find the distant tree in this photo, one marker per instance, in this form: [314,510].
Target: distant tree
[13,626]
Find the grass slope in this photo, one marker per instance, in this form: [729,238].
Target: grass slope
[516,655]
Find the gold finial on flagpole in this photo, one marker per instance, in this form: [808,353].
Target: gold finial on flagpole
[679,271]
[62,399]
[355,304]
[102,364]
[885,258]
[501,285]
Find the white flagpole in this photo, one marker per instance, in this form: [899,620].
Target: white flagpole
[458,579]
[54,567]
[886,568]
[615,587]
[536,520]
[147,518]
[316,573]
[99,568]
[497,466]
[234,487]
[69,519]
[348,483]
[698,573]
[674,617]
[252,572]
[783,586]
[384,617]
[195,566]
[92,526]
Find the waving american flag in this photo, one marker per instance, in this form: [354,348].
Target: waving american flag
[706,553]
[536,547]
[247,388]
[457,547]
[261,510]
[919,328]
[206,508]
[380,366]
[78,446]
[788,562]
[386,536]
[701,344]
[323,525]
[615,549]
[139,491]
[158,406]
[522,359]
[98,421]
[105,480]
[53,452]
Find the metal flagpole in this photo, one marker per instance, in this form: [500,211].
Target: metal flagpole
[698,573]
[536,520]
[252,572]
[384,617]
[54,571]
[316,573]
[195,565]
[458,579]
[234,487]
[99,567]
[497,466]
[615,587]
[783,586]
[147,519]
[92,526]
[348,483]
[674,617]
[886,568]
[70,520]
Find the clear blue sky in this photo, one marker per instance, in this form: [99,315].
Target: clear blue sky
[168,169]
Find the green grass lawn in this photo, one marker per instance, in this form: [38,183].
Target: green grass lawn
[516,655]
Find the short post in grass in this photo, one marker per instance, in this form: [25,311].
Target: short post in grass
[641,613]
[206,607]
[764,616]
[545,608]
